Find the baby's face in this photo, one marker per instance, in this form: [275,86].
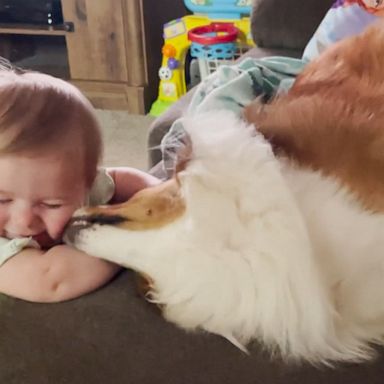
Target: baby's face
[38,195]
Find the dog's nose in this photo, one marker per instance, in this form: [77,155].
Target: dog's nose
[74,226]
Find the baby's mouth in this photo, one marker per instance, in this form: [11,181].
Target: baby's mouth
[44,240]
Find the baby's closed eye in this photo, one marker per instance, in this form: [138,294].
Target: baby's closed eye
[49,205]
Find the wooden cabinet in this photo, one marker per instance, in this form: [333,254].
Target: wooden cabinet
[114,50]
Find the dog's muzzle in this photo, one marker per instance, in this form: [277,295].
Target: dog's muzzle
[77,224]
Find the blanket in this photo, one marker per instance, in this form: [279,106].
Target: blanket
[232,87]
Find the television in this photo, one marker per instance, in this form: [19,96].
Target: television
[36,12]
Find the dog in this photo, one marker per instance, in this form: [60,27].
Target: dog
[272,228]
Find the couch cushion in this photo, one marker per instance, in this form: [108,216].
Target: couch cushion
[114,336]
[286,23]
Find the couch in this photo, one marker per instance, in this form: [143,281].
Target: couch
[114,336]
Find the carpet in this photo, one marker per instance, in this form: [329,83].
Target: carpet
[125,138]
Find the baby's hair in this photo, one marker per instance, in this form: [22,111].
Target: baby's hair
[39,112]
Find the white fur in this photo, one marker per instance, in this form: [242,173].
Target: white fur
[264,251]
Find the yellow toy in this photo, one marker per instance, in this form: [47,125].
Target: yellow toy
[176,46]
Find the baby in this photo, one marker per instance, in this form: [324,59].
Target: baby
[50,147]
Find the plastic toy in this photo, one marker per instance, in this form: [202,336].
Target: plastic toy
[213,44]
[177,44]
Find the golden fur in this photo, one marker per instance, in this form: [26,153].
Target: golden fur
[332,119]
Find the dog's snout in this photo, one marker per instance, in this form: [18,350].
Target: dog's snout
[75,225]
[79,223]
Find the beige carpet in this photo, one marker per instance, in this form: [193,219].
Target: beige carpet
[125,138]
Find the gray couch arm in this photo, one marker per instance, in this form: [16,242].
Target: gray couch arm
[286,24]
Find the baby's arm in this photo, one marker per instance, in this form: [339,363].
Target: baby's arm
[128,181]
[59,274]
